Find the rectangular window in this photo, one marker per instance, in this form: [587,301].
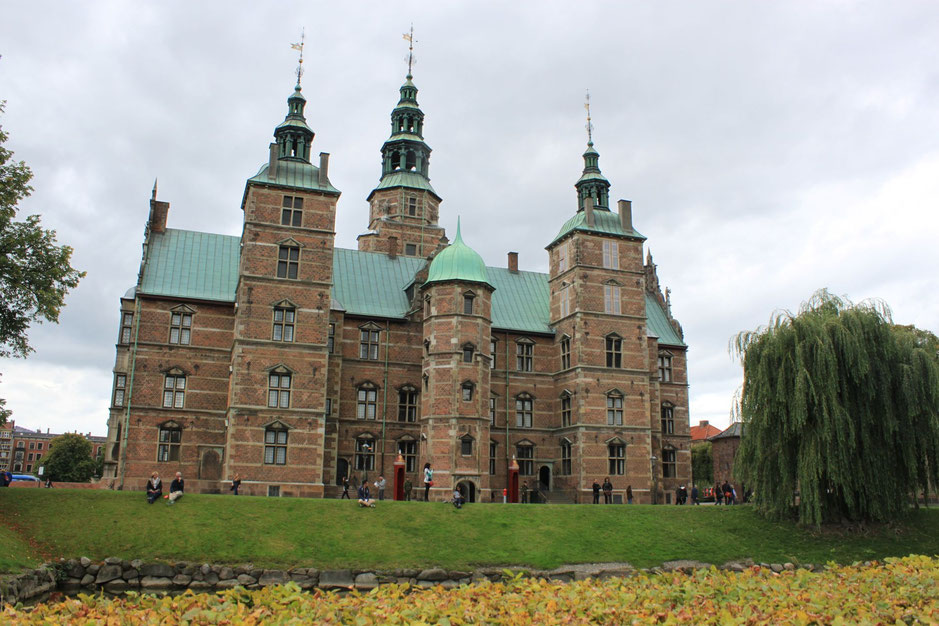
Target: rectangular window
[565,301]
[174,391]
[668,464]
[408,451]
[331,339]
[364,454]
[29,457]
[523,411]
[120,383]
[283,324]
[127,324]
[562,257]
[614,410]
[275,446]
[278,393]
[611,255]
[468,305]
[524,353]
[617,459]
[168,447]
[180,328]
[492,354]
[32,446]
[614,352]
[288,262]
[492,457]
[492,411]
[412,206]
[525,455]
[292,212]
[668,420]
[407,405]
[39,446]
[467,391]
[273,491]
[367,403]
[665,368]
[565,353]
[565,411]
[612,302]
[329,406]
[410,249]
[566,468]
[466,446]
[468,354]
[368,344]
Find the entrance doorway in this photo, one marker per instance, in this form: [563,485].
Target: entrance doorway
[544,477]
[468,489]
[342,470]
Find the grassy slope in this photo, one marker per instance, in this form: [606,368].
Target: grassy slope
[332,533]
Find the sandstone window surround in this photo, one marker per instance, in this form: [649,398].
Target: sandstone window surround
[614,408]
[524,354]
[612,298]
[288,259]
[565,300]
[174,389]
[365,452]
[668,463]
[469,299]
[616,450]
[566,409]
[466,445]
[565,346]
[278,390]
[492,410]
[169,441]
[366,401]
[369,340]
[566,465]
[523,410]
[668,418]
[614,351]
[120,384]
[665,367]
[284,320]
[407,448]
[611,255]
[292,212]
[412,206]
[181,325]
[493,350]
[427,306]
[127,325]
[525,455]
[493,448]
[563,256]
[468,351]
[275,444]
[331,338]
[407,404]
[466,391]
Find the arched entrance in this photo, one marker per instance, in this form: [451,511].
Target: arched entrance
[544,477]
[468,489]
[342,470]
[210,467]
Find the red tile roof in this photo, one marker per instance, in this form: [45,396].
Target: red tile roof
[703,431]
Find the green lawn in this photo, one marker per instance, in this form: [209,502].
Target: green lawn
[332,533]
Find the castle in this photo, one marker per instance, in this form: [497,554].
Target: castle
[292,363]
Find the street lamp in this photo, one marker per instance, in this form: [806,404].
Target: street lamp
[655,482]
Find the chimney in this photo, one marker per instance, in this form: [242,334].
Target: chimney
[272,163]
[702,423]
[588,209]
[626,214]
[158,212]
[513,262]
[392,246]
[324,168]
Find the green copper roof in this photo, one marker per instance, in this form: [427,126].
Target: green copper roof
[604,223]
[520,301]
[372,283]
[458,262]
[294,174]
[411,180]
[187,264]
[659,325]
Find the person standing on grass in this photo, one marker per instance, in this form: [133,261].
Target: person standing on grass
[154,488]
[365,499]
[629,494]
[177,487]
[694,495]
[407,490]
[428,481]
[380,486]
[596,492]
[235,484]
[718,494]
[607,491]
[345,488]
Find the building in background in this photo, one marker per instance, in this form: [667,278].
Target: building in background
[724,447]
[279,357]
[22,448]
[703,431]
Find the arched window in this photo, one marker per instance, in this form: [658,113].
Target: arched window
[171,435]
[614,408]
[466,445]
[367,402]
[523,410]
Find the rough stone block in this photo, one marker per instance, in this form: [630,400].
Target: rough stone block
[229,583]
[130,573]
[366,581]
[75,570]
[272,577]
[116,586]
[157,570]
[85,561]
[210,579]
[93,569]
[199,585]
[246,579]
[433,574]
[112,560]
[226,573]
[88,580]
[156,582]
[336,579]
[181,580]
[108,573]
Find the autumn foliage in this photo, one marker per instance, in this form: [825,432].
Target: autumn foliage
[904,589]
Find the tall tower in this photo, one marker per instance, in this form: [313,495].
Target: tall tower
[277,390]
[457,300]
[404,208]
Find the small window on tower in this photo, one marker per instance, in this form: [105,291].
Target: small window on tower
[410,249]
[292,212]
[412,206]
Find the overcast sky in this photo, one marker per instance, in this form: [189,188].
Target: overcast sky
[769,149]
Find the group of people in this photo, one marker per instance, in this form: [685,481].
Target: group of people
[681,495]
[365,496]
[363,493]
[727,494]
[155,489]
[607,489]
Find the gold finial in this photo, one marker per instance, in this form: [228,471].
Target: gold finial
[409,37]
[299,46]
[589,123]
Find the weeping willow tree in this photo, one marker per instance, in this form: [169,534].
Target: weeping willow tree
[842,408]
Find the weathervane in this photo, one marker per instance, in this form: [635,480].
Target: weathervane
[589,123]
[299,46]
[409,37]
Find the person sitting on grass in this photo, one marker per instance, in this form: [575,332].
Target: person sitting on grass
[365,498]
[154,488]
[176,488]
[458,499]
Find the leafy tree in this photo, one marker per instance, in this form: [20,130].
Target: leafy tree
[702,464]
[840,406]
[35,274]
[69,459]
